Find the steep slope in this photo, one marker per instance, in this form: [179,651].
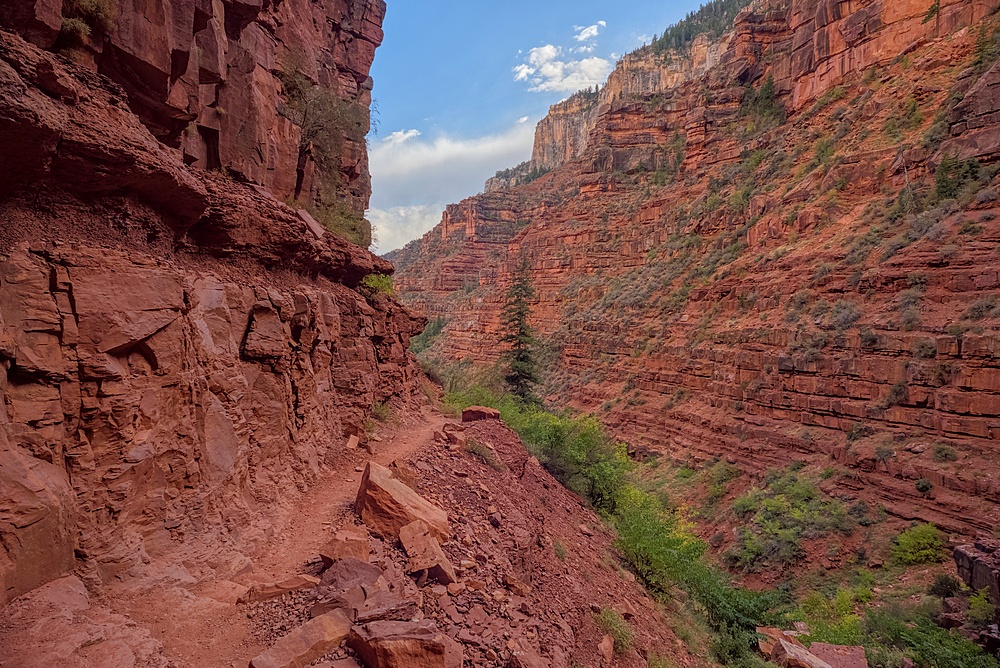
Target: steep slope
[180,353]
[715,280]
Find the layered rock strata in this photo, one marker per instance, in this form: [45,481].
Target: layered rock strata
[714,290]
[179,353]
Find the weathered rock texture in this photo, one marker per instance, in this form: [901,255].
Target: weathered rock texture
[178,353]
[745,303]
[205,77]
[979,566]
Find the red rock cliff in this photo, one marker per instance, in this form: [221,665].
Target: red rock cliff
[179,352]
[713,289]
[205,78]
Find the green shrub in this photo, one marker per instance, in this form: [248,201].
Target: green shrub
[619,629]
[981,609]
[381,411]
[559,549]
[96,14]
[485,453]
[952,176]
[924,349]
[922,544]
[945,453]
[924,486]
[944,586]
[980,308]
[376,284]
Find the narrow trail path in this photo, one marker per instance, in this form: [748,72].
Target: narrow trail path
[201,626]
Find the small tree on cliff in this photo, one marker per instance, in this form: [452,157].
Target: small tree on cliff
[516,335]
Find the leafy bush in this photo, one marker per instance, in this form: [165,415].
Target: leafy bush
[980,308]
[778,517]
[844,314]
[616,626]
[923,485]
[952,176]
[924,349]
[96,14]
[944,586]
[381,411]
[375,284]
[945,453]
[486,454]
[981,609]
[921,544]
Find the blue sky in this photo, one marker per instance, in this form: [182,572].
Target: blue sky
[460,86]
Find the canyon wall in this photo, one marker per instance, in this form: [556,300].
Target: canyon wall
[180,353]
[718,283]
[206,78]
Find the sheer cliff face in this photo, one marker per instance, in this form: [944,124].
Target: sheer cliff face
[179,352]
[204,77]
[817,45]
[715,289]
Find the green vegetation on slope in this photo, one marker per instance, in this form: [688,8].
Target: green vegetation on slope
[714,18]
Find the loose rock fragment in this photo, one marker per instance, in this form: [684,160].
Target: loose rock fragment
[386,505]
[306,643]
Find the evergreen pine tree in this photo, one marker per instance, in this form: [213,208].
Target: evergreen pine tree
[516,335]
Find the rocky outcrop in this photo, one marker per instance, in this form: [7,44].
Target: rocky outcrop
[178,351]
[210,79]
[979,566]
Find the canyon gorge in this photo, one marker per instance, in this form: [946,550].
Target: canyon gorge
[774,249]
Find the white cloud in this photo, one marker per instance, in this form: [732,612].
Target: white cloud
[523,119]
[583,49]
[400,136]
[546,72]
[406,176]
[396,227]
[589,32]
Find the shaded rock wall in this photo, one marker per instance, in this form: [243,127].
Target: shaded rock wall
[203,77]
[179,353]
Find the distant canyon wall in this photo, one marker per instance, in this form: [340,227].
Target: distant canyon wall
[682,354]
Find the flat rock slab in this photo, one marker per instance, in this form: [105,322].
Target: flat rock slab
[473,413]
[306,643]
[386,505]
[349,573]
[788,655]
[267,591]
[840,656]
[404,645]
[349,541]
[425,553]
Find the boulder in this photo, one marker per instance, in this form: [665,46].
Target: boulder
[306,643]
[350,541]
[789,655]
[840,656]
[606,648]
[770,637]
[349,573]
[387,505]
[263,592]
[474,413]
[425,553]
[348,600]
[523,655]
[404,645]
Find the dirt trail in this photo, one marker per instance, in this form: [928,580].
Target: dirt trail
[201,626]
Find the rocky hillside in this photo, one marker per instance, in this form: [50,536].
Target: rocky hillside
[180,352]
[776,250]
